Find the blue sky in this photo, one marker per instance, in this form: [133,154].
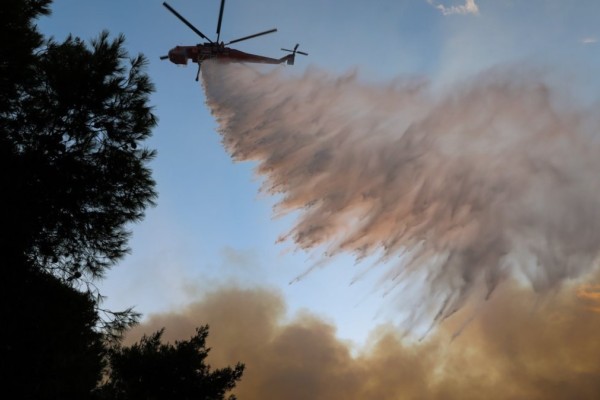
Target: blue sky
[211,226]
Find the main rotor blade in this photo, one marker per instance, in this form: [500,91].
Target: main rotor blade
[220,19]
[253,36]
[185,21]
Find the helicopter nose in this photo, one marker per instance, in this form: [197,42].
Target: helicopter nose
[177,56]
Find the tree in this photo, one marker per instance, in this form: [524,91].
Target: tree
[18,41]
[50,347]
[74,173]
[150,369]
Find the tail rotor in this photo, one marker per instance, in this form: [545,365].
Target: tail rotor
[296,50]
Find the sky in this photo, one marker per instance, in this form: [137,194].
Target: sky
[454,141]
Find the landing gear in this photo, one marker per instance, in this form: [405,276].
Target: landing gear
[198,73]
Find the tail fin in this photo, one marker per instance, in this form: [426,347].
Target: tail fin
[289,59]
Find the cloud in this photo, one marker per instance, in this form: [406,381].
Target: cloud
[468,8]
[520,346]
[453,192]
[589,40]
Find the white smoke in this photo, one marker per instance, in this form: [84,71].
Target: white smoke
[459,191]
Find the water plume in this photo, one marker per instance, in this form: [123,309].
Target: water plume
[458,190]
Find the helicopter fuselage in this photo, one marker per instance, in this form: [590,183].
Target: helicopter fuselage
[202,52]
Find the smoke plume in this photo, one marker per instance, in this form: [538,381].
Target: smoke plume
[520,348]
[455,191]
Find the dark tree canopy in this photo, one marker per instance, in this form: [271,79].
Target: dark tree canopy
[73,174]
[150,369]
[18,41]
[49,347]
[74,171]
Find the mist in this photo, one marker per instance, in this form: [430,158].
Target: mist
[453,191]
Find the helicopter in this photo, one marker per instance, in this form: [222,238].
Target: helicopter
[218,50]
